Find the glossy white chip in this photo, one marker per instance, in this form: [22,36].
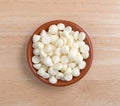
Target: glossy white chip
[37,65]
[55,59]
[52,80]
[53,29]
[41,71]
[35,59]
[60,26]
[65,49]
[36,38]
[68,77]
[76,72]
[59,75]
[64,59]
[82,65]
[82,36]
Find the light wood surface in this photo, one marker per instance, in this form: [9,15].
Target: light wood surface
[19,19]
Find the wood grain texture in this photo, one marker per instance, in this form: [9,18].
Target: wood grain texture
[19,19]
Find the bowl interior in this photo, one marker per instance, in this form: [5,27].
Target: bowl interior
[75,28]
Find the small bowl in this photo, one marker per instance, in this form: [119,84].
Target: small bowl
[75,28]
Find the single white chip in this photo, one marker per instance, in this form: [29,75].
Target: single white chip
[64,59]
[68,77]
[43,33]
[58,52]
[75,46]
[75,35]
[64,40]
[45,67]
[48,48]
[72,54]
[42,53]
[65,34]
[55,59]
[85,55]
[36,38]
[72,65]
[81,36]
[35,59]
[76,72]
[59,75]
[52,80]
[47,61]
[41,72]
[60,26]
[36,51]
[68,71]
[37,65]
[65,49]
[64,68]
[70,41]
[80,43]
[68,29]
[59,42]
[46,39]
[34,45]
[40,45]
[78,58]
[84,48]
[57,66]
[53,38]
[46,75]
[82,65]
[52,71]
[53,29]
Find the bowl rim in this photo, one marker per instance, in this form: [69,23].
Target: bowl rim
[88,61]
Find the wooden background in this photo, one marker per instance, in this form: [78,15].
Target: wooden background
[20,18]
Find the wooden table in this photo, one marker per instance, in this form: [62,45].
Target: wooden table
[19,19]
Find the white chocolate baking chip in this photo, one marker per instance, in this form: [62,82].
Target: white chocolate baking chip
[57,66]
[81,36]
[36,38]
[46,75]
[82,65]
[75,35]
[55,59]
[35,59]
[34,45]
[52,80]
[68,71]
[53,29]
[59,42]
[52,71]
[40,45]
[72,54]
[37,66]
[64,59]
[68,77]
[41,71]
[59,53]
[59,75]
[36,51]
[47,61]
[76,72]
[61,26]
[65,49]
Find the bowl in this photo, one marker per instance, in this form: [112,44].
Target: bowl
[88,60]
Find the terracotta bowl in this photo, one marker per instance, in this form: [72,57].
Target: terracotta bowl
[75,28]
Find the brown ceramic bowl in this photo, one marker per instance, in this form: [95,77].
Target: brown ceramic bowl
[75,28]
